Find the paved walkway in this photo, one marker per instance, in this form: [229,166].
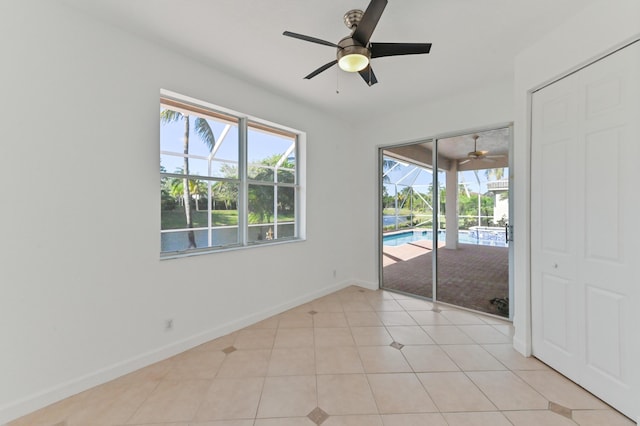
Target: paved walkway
[470,276]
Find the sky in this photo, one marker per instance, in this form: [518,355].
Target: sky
[260,145]
[422,178]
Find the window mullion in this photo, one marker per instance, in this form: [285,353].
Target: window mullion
[243,196]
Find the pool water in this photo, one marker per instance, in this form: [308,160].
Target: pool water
[496,239]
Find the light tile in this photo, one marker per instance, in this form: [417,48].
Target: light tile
[428,358]
[600,418]
[455,392]
[383,359]
[295,320]
[390,318]
[291,421]
[386,305]
[512,359]
[507,391]
[111,403]
[431,419]
[371,336]
[292,362]
[333,337]
[345,394]
[255,338]
[561,390]
[249,363]
[447,335]
[54,413]
[292,396]
[285,367]
[172,401]
[195,365]
[293,338]
[217,344]
[364,420]
[328,305]
[429,318]
[477,419]
[363,319]
[462,317]
[484,334]
[338,360]
[410,335]
[400,393]
[330,319]
[537,418]
[472,358]
[507,330]
[415,305]
[357,306]
[235,398]
[155,371]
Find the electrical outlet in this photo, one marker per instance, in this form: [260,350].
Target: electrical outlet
[168,324]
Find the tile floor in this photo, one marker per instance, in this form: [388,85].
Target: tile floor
[355,357]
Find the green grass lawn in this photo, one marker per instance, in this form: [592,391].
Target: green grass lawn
[174,219]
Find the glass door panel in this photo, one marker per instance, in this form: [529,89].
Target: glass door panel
[473,262]
[407,208]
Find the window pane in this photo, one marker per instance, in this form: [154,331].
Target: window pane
[261,212]
[203,141]
[286,206]
[269,150]
[224,205]
[201,183]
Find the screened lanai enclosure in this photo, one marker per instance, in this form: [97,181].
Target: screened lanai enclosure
[445,220]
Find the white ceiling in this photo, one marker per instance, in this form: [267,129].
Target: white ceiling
[474,43]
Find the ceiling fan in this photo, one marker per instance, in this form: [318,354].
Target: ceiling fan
[355,51]
[479,155]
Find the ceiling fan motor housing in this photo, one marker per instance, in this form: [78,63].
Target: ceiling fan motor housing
[349,46]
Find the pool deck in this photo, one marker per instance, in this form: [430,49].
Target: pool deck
[469,276]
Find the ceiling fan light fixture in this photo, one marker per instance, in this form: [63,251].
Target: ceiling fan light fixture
[353,63]
[353,58]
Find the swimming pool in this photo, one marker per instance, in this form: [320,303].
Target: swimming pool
[496,239]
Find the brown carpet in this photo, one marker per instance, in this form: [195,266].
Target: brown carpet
[469,277]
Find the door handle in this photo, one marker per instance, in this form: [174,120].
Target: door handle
[508,233]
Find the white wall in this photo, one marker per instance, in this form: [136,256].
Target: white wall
[596,30]
[83,294]
[486,107]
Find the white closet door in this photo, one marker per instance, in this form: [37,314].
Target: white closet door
[585,236]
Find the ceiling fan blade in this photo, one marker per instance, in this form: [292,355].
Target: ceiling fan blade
[495,156]
[379,50]
[488,160]
[368,76]
[322,68]
[309,38]
[369,20]
[464,162]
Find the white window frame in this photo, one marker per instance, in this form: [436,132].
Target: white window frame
[244,122]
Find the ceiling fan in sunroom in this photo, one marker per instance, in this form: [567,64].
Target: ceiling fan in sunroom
[355,51]
[479,155]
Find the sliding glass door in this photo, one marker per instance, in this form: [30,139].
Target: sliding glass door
[444,220]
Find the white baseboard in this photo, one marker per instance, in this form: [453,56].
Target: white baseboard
[366,284]
[19,408]
[522,347]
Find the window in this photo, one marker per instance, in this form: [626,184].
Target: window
[226,180]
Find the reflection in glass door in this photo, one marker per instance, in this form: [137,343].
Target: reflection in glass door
[451,224]
[407,207]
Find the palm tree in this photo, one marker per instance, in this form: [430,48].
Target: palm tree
[206,134]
